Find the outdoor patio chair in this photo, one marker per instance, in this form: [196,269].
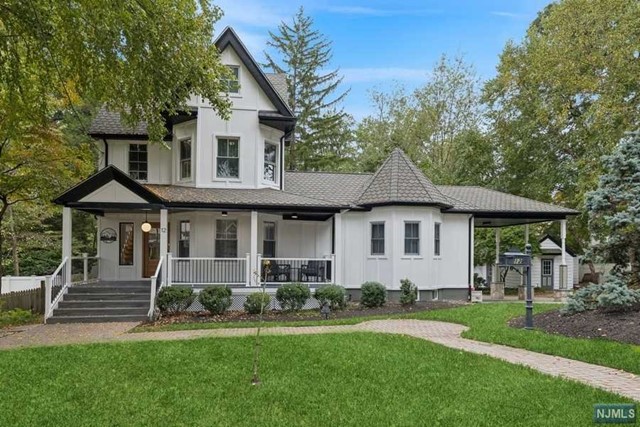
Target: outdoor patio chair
[280,273]
[314,269]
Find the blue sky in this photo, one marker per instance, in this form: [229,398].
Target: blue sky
[377,43]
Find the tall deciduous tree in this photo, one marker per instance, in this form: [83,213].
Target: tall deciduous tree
[439,125]
[563,97]
[303,53]
[614,209]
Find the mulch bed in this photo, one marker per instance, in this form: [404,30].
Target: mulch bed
[621,327]
[352,310]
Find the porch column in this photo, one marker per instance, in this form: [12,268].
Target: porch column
[563,265]
[337,252]
[164,241]
[497,287]
[253,248]
[66,241]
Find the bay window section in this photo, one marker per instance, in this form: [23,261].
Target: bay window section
[411,238]
[228,158]
[270,162]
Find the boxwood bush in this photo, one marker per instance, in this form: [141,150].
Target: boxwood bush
[255,301]
[408,292]
[215,299]
[174,299]
[374,294]
[334,295]
[293,296]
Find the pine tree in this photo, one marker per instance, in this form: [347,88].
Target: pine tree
[303,54]
[614,209]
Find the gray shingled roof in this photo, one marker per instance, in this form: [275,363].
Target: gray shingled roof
[478,199]
[399,181]
[279,83]
[344,188]
[109,123]
[231,197]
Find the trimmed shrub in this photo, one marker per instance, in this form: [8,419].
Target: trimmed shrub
[583,299]
[293,296]
[408,292]
[215,299]
[374,294]
[174,299]
[256,301]
[617,297]
[334,295]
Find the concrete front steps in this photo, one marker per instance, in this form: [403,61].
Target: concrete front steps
[104,302]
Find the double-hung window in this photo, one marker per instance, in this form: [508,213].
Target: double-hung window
[377,238]
[269,240]
[411,238]
[270,162]
[185,159]
[228,158]
[226,238]
[436,239]
[184,237]
[138,161]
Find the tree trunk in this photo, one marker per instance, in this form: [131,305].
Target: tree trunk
[634,262]
[14,244]
[594,273]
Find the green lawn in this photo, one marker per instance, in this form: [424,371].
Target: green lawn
[362,379]
[487,322]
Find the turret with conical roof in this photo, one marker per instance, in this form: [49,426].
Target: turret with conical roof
[399,182]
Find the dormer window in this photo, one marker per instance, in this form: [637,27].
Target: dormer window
[233,84]
[270,162]
[185,159]
[228,158]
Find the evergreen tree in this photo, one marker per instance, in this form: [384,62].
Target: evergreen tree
[303,53]
[614,209]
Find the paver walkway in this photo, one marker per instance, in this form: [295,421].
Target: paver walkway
[447,334]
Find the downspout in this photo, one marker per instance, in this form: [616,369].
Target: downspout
[469,266]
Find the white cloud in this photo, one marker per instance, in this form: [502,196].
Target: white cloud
[509,14]
[363,75]
[249,12]
[369,11]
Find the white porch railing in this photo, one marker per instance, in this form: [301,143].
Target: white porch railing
[85,268]
[209,271]
[275,271]
[55,287]
[157,282]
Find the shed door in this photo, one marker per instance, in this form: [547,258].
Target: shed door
[547,273]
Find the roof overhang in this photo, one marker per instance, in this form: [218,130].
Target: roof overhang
[508,219]
[277,121]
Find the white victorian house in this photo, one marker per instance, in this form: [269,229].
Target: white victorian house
[210,208]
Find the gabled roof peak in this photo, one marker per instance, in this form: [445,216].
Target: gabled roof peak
[399,181]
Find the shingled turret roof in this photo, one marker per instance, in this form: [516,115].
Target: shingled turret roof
[399,181]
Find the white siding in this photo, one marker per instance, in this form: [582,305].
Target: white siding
[427,271]
[158,160]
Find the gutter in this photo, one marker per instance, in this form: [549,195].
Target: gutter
[282,143]
[106,152]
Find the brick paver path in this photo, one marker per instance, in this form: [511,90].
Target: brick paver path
[447,334]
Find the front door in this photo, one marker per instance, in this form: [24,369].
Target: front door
[151,250]
[547,273]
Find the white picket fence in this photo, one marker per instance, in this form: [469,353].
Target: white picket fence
[20,283]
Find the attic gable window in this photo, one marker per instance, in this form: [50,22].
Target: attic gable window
[228,158]
[233,84]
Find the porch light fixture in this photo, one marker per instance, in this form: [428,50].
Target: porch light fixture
[224,213]
[146,227]
[294,216]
